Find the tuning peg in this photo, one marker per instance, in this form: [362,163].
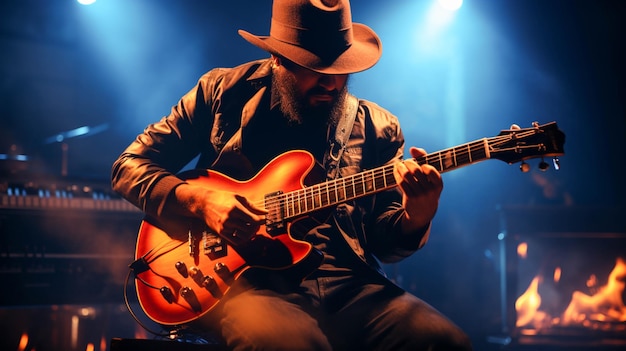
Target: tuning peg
[557,163]
[524,167]
[543,165]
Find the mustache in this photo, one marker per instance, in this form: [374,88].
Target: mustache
[321,91]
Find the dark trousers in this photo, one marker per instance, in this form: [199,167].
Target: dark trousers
[355,311]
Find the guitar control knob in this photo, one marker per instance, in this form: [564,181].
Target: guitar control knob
[210,284]
[181,267]
[196,275]
[223,272]
[543,166]
[190,296]
[167,294]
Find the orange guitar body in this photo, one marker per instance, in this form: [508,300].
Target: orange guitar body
[182,273]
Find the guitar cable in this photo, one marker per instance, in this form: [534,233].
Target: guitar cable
[175,334]
[136,318]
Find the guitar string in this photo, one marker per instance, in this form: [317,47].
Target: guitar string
[161,250]
[300,196]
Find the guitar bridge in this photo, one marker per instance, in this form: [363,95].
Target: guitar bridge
[275,218]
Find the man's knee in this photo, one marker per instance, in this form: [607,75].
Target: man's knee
[254,322]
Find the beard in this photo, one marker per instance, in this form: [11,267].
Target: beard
[295,106]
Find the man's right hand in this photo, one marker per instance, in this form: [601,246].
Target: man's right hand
[228,214]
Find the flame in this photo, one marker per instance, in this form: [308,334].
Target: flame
[527,306]
[606,305]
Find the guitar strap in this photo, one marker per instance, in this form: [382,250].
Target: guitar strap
[340,140]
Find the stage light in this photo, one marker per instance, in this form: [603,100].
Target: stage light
[86,2]
[450,5]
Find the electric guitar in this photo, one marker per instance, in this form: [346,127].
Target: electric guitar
[183,270]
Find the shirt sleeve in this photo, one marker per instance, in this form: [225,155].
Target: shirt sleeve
[145,172]
[383,224]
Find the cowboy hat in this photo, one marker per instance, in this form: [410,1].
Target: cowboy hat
[319,35]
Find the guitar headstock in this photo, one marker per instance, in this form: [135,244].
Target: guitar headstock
[520,144]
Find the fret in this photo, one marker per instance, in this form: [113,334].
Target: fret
[316,197]
[286,204]
[319,195]
[330,192]
[384,177]
[326,193]
[280,210]
[325,202]
[311,198]
[351,190]
[454,163]
[297,207]
[391,180]
[370,186]
[299,202]
[307,204]
[440,161]
[343,194]
[376,179]
[288,210]
[362,184]
[486,145]
[293,203]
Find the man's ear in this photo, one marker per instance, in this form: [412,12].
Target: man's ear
[276,62]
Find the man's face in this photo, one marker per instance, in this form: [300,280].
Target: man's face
[305,94]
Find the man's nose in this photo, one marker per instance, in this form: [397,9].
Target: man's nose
[327,81]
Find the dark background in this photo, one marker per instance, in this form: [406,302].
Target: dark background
[118,65]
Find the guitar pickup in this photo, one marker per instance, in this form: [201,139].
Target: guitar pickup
[275,218]
[213,246]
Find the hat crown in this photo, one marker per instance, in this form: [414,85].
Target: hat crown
[323,27]
[319,35]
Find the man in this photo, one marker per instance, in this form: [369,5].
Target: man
[241,118]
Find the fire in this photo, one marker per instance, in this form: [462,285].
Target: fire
[527,307]
[604,306]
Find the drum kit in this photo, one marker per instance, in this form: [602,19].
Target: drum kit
[15,161]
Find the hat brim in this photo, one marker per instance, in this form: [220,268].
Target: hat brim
[364,52]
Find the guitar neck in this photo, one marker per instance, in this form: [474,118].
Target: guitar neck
[330,193]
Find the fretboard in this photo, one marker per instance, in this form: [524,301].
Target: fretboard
[319,196]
